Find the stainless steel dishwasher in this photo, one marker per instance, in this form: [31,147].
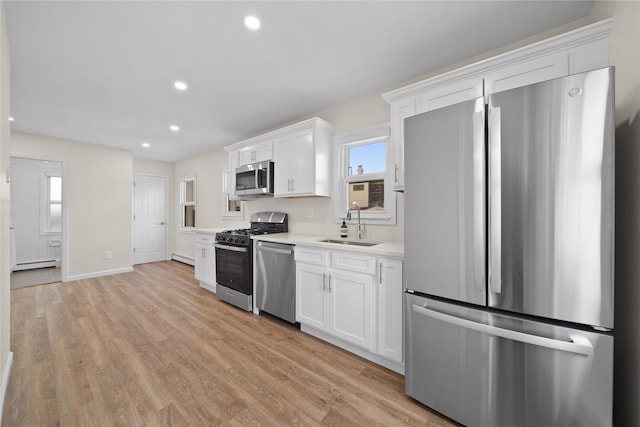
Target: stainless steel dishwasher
[276,280]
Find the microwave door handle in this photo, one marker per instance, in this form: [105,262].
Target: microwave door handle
[255,176]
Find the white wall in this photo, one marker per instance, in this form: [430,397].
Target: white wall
[624,53]
[208,168]
[5,354]
[99,184]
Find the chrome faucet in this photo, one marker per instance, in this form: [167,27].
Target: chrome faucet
[360,226]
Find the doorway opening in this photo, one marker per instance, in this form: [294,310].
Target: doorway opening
[36,221]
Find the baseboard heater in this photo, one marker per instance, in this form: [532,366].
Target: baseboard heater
[183,259]
[32,265]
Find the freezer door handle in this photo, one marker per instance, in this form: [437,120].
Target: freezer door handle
[495,200]
[578,344]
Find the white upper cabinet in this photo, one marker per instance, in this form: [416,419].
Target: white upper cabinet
[526,73]
[301,154]
[259,152]
[574,52]
[301,158]
[449,94]
[294,161]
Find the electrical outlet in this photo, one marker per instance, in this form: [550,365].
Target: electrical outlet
[108,255]
[309,213]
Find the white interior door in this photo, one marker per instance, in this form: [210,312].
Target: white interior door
[149,221]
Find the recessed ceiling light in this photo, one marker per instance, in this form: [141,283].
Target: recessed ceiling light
[251,22]
[11,119]
[146,145]
[180,85]
[174,128]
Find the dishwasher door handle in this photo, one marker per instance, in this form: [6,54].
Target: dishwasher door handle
[274,250]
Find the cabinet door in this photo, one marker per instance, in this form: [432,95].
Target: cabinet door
[284,163]
[294,159]
[351,307]
[304,169]
[399,111]
[390,294]
[311,299]
[259,152]
[528,72]
[245,156]
[200,269]
[210,262]
[450,94]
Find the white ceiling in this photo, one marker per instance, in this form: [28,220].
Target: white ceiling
[102,71]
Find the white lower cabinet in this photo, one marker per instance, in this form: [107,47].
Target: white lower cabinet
[350,297]
[312,301]
[205,258]
[353,300]
[390,296]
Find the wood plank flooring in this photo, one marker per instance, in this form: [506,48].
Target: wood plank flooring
[152,348]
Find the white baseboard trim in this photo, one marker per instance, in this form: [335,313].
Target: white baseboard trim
[184,259]
[99,274]
[5,382]
[389,364]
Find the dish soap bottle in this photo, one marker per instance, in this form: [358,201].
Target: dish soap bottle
[343,229]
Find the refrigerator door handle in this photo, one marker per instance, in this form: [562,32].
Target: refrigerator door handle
[578,344]
[479,195]
[495,200]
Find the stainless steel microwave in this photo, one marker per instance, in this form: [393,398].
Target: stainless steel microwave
[255,180]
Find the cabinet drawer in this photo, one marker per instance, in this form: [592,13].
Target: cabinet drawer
[205,239]
[312,256]
[353,262]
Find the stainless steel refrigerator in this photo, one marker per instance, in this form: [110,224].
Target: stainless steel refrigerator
[509,216]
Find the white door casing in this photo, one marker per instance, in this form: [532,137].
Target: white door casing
[149,220]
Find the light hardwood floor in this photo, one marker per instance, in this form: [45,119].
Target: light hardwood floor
[151,348]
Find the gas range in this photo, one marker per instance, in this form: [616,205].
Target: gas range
[242,236]
[234,258]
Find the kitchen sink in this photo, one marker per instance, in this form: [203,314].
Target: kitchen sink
[348,242]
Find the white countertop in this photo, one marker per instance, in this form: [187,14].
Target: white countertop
[390,249]
[211,231]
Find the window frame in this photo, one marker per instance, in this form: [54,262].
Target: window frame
[184,203]
[226,198]
[46,203]
[357,138]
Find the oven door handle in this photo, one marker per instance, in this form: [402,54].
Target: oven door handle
[230,248]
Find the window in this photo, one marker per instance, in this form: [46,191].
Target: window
[51,203]
[363,176]
[231,208]
[188,202]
